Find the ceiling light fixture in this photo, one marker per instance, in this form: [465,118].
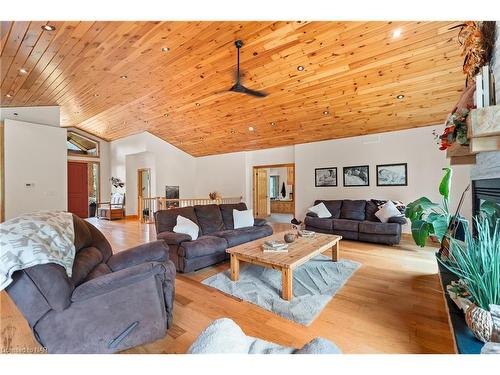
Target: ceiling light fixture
[8,96]
[250,128]
[396,33]
[400,96]
[326,113]
[300,68]
[165,49]
[48,27]
[198,104]
[96,94]
[123,77]
[165,115]
[23,71]
[272,124]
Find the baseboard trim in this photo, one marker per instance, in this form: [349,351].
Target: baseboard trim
[132,217]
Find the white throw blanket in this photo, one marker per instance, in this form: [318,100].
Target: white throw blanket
[36,238]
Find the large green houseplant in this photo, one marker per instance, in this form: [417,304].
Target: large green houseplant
[429,218]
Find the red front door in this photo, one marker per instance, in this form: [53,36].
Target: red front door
[78,189]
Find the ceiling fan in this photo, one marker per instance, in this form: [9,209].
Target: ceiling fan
[238,87]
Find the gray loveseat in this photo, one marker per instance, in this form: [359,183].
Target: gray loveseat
[110,303]
[356,220]
[216,234]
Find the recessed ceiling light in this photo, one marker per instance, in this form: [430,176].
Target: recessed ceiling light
[123,77]
[48,27]
[250,128]
[165,49]
[272,124]
[326,113]
[165,115]
[8,96]
[232,131]
[23,71]
[400,96]
[396,33]
[198,104]
[96,94]
[300,68]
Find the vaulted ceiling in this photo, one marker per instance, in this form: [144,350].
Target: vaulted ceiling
[115,79]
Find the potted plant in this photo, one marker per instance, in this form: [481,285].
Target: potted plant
[476,262]
[92,206]
[429,218]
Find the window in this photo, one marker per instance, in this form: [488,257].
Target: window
[274,187]
[79,145]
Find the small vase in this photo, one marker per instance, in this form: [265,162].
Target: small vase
[480,322]
[289,237]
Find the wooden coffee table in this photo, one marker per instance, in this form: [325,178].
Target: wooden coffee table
[299,252]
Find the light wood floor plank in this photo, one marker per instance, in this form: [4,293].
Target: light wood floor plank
[392,304]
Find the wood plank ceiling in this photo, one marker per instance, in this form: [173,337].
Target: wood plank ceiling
[115,79]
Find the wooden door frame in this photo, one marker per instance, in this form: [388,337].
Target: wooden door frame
[266,166]
[139,185]
[88,162]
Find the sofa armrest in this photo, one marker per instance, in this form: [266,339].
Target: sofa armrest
[257,222]
[397,219]
[116,280]
[173,238]
[311,214]
[156,251]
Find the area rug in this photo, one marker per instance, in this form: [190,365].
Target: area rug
[314,285]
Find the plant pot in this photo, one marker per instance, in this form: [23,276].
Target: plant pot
[480,322]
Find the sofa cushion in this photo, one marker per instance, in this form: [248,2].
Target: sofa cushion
[398,220]
[370,210]
[344,224]
[204,245]
[236,237]
[226,211]
[320,223]
[379,228]
[209,218]
[353,210]
[333,206]
[165,220]
[85,261]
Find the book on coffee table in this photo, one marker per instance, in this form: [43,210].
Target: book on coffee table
[274,247]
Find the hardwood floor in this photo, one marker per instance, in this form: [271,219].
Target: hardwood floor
[392,304]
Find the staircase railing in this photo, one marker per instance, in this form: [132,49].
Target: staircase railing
[148,206]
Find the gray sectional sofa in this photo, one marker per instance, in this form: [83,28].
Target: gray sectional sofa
[356,220]
[216,234]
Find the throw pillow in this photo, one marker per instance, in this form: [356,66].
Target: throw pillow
[387,211]
[243,219]
[399,205]
[320,210]
[186,226]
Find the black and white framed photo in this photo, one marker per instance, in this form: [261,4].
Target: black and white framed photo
[325,177]
[357,176]
[392,174]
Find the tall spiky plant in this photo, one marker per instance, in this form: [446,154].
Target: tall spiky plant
[477,262]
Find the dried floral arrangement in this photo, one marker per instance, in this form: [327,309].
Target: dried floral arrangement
[477,40]
[455,131]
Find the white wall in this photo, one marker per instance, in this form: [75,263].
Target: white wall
[34,154]
[133,163]
[45,115]
[104,162]
[171,167]
[416,147]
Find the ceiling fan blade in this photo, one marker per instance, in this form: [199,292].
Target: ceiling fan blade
[258,94]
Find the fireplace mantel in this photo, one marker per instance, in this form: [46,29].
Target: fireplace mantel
[484,129]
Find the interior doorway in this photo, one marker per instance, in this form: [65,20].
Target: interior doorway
[83,187]
[143,191]
[274,192]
